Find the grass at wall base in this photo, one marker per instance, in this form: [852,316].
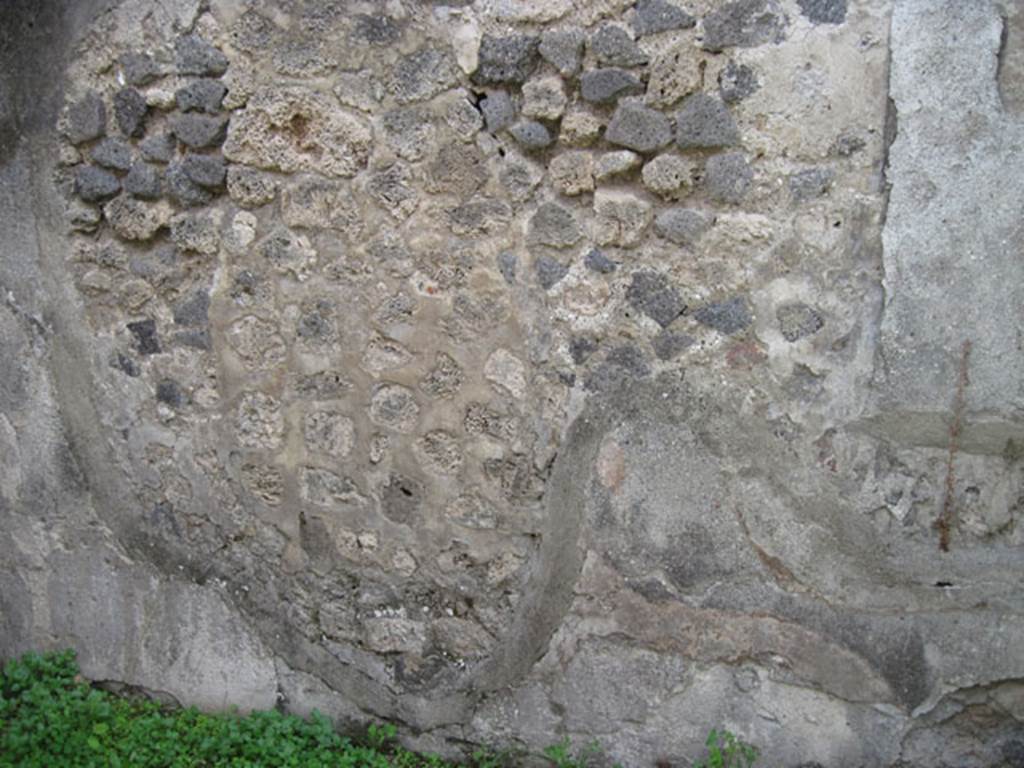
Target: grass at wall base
[50,717]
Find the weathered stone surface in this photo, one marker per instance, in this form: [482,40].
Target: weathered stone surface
[93,184]
[145,336]
[130,111]
[199,131]
[553,225]
[421,75]
[684,226]
[728,317]
[669,176]
[195,56]
[134,219]
[509,59]
[143,181]
[531,134]
[86,119]
[394,407]
[614,163]
[182,189]
[250,188]
[622,218]
[797,321]
[704,122]
[810,184]
[639,128]
[544,98]
[294,129]
[157,149]
[138,68]
[205,95]
[612,45]
[572,173]
[597,261]
[549,271]
[604,86]
[823,11]
[728,177]
[563,49]
[207,171]
[654,16]
[499,112]
[112,153]
[744,23]
[736,82]
[674,74]
[652,294]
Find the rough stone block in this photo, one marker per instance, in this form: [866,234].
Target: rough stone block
[195,56]
[727,317]
[510,59]
[612,45]
[86,119]
[563,49]
[199,131]
[683,226]
[653,295]
[531,135]
[130,110]
[704,122]
[728,177]
[744,23]
[205,95]
[93,184]
[639,128]
[654,16]
[604,86]
[138,68]
[143,181]
[112,153]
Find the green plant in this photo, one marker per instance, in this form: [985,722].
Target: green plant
[725,750]
[563,756]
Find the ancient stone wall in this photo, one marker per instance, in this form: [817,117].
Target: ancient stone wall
[512,370]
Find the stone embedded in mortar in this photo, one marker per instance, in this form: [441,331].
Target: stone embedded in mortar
[604,86]
[736,82]
[82,218]
[193,310]
[394,635]
[256,342]
[531,135]
[650,293]
[134,219]
[144,332]
[481,420]
[439,452]
[563,49]
[580,128]
[143,181]
[823,11]
[377,29]
[638,127]
[93,184]
[130,111]
[572,173]
[327,489]
[383,354]
[182,189]
[259,421]
[393,189]
[297,129]
[198,131]
[728,177]
[704,122]
[205,95]
[444,379]
[422,74]
[581,348]
[462,116]
[394,407]
[668,345]
[112,153]
[169,392]
[287,252]
[727,317]
[157,149]
[198,233]
[684,226]
[618,162]
[544,98]
[621,218]
[409,131]
[195,56]
[554,226]
[596,261]
[669,176]
[499,112]
[250,188]
[510,59]
[654,16]
[612,45]
[810,184]
[361,90]
[744,23]
[506,373]
[674,74]
[798,320]
[329,432]
[549,271]
[207,171]
[507,266]
[86,119]
[138,68]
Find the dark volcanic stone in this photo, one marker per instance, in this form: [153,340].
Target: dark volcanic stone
[683,226]
[169,393]
[668,345]
[603,86]
[125,364]
[531,134]
[199,131]
[809,184]
[195,56]
[651,294]
[377,29]
[197,339]
[205,170]
[581,348]
[728,177]
[507,266]
[185,191]
[563,49]
[509,59]
[112,153]
[653,16]
[93,184]
[87,119]
[138,68]
[598,262]
[823,11]
[744,23]
[549,271]
[498,110]
[130,110]
[638,127]
[736,82]
[159,149]
[143,181]
[613,45]
[728,317]
[146,341]
[203,95]
[705,122]
[629,358]
[194,310]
